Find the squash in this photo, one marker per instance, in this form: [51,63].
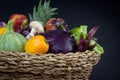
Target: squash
[37,45]
[12,41]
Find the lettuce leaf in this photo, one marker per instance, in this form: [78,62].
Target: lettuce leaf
[79,31]
[83,31]
[99,49]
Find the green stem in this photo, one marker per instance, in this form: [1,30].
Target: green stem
[10,26]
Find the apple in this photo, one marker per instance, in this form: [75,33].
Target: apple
[18,19]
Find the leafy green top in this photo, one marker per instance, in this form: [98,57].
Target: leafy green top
[43,12]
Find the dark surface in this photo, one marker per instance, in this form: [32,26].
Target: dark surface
[91,13]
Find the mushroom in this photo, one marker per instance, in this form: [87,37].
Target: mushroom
[36,28]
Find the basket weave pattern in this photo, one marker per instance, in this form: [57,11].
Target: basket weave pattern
[71,66]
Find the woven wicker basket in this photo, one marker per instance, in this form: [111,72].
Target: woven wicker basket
[71,66]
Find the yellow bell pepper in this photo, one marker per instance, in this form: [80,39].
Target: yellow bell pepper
[37,45]
[2,30]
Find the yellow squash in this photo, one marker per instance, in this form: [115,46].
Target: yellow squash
[37,45]
[2,30]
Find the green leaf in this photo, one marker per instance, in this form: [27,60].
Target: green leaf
[99,49]
[78,31]
[24,24]
[30,17]
[83,31]
[92,42]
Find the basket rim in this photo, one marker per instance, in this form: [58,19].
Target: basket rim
[26,63]
[39,54]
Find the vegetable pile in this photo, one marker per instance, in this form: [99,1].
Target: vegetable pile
[42,33]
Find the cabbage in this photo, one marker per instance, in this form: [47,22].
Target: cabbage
[60,41]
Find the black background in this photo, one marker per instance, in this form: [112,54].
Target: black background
[78,12]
